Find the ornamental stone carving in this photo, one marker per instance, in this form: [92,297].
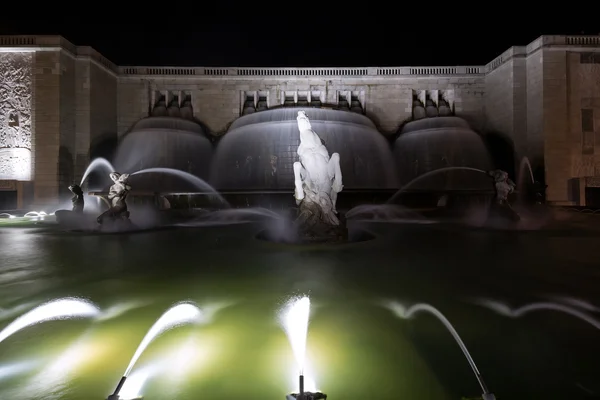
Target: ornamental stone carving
[15,115]
[15,100]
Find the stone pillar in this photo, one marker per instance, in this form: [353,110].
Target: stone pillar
[46,139]
[82,117]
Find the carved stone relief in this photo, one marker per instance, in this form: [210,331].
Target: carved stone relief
[15,100]
[15,115]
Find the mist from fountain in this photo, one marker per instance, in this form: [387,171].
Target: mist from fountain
[199,183]
[505,310]
[231,216]
[97,163]
[430,173]
[406,313]
[66,308]
[386,213]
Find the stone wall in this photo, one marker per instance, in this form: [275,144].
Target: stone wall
[584,127]
[46,141]
[68,112]
[217,101]
[16,96]
[534,114]
[83,109]
[96,111]
[133,102]
[557,147]
[103,106]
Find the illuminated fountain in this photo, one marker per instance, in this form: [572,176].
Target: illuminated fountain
[431,144]
[67,308]
[97,163]
[179,314]
[405,313]
[294,319]
[409,185]
[199,185]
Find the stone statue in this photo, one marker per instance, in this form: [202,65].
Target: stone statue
[117,196]
[77,200]
[317,178]
[503,186]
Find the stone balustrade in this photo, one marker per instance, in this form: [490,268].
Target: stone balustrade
[32,41]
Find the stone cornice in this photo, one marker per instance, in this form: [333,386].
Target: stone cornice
[40,43]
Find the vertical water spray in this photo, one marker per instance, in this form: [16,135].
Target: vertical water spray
[179,314]
[406,313]
[66,308]
[294,318]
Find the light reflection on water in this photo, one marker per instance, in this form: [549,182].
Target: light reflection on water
[355,350]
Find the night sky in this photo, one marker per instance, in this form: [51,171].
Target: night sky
[248,43]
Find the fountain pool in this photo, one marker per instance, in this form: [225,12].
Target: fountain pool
[355,349]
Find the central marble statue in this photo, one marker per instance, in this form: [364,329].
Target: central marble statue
[318,180]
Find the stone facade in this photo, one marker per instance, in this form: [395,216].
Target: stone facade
[58,101]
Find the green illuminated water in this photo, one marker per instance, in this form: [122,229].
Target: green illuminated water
[356,348]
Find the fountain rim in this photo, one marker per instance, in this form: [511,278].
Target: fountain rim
[196,127]
[445,129]
[315,123]
[241,121]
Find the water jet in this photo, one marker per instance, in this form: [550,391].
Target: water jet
[294,319]
[505,310]
[97,163]
[66,308]
[179,314]
[406,313]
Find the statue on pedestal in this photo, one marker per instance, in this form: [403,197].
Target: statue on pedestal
[503,186]
[77,200]
[117,196]
[318,180]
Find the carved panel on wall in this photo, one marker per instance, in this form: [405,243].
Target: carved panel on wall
[15,115]
[15,100]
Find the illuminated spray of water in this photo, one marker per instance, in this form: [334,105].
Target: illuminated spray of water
[294,318]
[176,364]
[179,314]
[97,163]
[193,179]
[66,308]
[406,313]
[430,173]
